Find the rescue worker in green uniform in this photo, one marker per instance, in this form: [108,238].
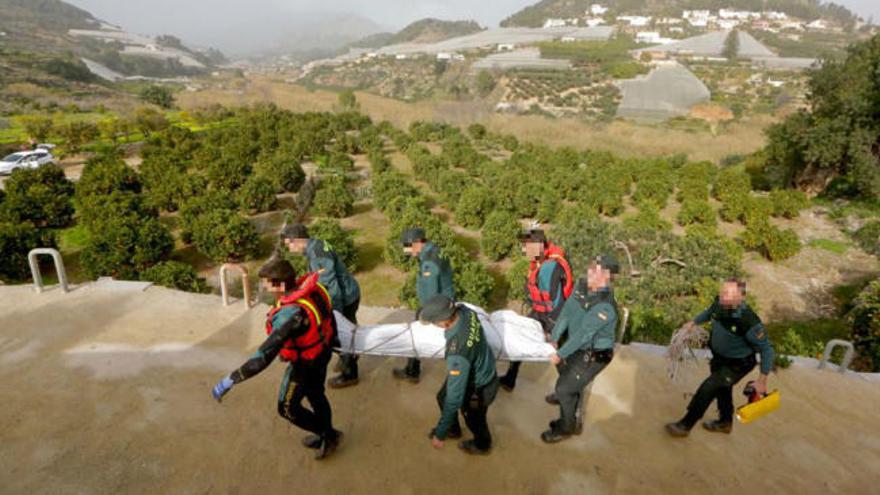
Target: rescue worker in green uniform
[471,383]
[434,277]
[335,277]
[584,337]
[300,330]
[736,335]
[548,284]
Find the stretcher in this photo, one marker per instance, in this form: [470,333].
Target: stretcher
[511,336]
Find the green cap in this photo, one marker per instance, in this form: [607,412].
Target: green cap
[608,262]
[436,309]
[412,235]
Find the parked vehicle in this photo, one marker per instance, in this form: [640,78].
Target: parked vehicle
[25,159]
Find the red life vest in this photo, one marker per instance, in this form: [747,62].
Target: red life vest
[314,300]
[542,300]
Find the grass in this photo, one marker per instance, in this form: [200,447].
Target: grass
[830,245]
[72,239]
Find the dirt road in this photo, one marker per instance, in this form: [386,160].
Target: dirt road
[108,392]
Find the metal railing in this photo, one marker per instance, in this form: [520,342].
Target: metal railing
[59,268]
[245,283]
[847,357]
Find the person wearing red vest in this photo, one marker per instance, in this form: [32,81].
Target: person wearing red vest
[301,328]
[548,284]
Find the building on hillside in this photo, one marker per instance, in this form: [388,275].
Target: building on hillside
[506,47]
[401,56]
[444,56]
[597,9]
[776,16]
[554,23]
[594,21]
[728,24]
[695,14]
[652,37]
[635,20]
[818,24]
[668,21]
[742,15]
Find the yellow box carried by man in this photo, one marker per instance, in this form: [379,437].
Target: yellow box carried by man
[761,407]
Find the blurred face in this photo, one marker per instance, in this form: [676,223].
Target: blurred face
[272,287]
[296,246]
[533,250]
[413,249]
[597,277]
[731,295]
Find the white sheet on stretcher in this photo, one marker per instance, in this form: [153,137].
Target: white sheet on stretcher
[511,336]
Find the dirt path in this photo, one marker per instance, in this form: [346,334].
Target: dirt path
[108,392]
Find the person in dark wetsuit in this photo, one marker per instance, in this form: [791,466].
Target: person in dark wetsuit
[301,327]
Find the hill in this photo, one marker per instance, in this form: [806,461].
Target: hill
[423,31]
[535,15]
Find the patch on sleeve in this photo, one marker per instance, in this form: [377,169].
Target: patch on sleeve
[454,372]
[322,270]
[760,335]
[603,316]
[426,274]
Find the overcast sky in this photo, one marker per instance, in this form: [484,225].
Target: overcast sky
[221,22]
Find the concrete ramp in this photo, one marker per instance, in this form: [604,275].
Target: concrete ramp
[109,392]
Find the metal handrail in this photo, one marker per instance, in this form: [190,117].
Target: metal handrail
[245,283]
[59,268]
[847,357]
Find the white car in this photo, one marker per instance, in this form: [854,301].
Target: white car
[25,159]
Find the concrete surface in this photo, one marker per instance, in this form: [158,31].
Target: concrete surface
[109,392]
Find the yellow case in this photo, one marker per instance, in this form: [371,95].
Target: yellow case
[757,409]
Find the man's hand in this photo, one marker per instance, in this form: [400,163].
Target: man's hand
[436,442]
[761,385]
[555,359]
[690,325]
[222,388]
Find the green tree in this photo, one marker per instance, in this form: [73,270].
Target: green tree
[77,133]
[500,235]
[225,236]
[731,46]
[104,174]
[485,83]
[148,120]
[339,239]
[472,207]
[257,195]
[287,175]
[160,96]
[17,239]
[865,320]
[175,275]
[123,246]
[333,199]
[348,101]
[41,196]
[37,127]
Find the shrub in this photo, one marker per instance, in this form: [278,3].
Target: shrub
[694,211]
[472,207]
[338,239]
[37,126]
[193,208]
[500,235]
[336,162]
[868,237]
[41,196]
[257,195]
[287,175]
[175,275]
[473,283]
[124,246]
[77,133]
[865,319]
[225,236]
[389,186]
[17,239]
[648,217]
[516,277]
[333,199]
[788,203]
[105,174]
[771,242]
[731,184]
[158,95]
[477,131]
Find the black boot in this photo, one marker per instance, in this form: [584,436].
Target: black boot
[311,442]
[552,399]
[718,426]
[470,447]
[411,372]
[556,424]
[343,381]
[554,435]
[678,429]
[329,444]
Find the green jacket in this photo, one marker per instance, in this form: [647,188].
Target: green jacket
[470,365]
[435,275]
[332,274]
[588,321]
[737,333]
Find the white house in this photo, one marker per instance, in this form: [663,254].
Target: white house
[647,37]
[503,47]
[567,39]
[775,84]
[597,9]
[818,24]
[698,22]
[401,56]
[669,21]
[635,20]
[742,15]
[776,16]
[728,24]
[553,23]
[444,56]
[797,26]
[695,14]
